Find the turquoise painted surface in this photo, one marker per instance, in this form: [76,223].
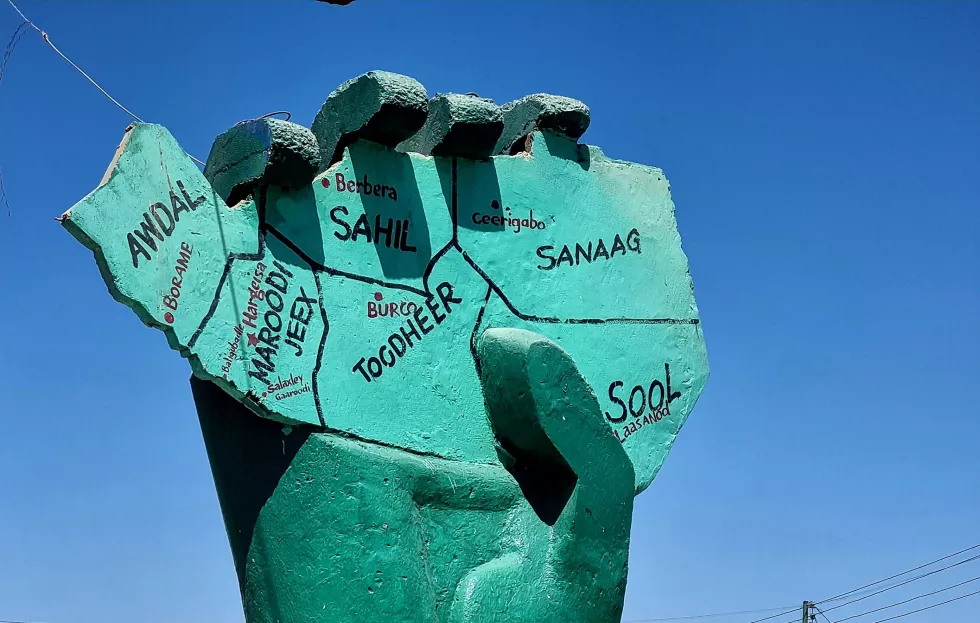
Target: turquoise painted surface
[326,528]
[466,366]
[306,305]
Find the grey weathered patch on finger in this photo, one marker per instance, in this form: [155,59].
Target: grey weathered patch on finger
[262,151]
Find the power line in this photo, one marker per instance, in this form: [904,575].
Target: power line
[851,592]
[942,603]
[47,39]
[820,612]
[14,40]
[907,600]
[787,611]
[776,615]
[918,577]
[702,616]
[836,597]
[794,620]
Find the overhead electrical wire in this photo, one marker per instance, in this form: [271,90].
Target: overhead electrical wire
[820,612]
[708,616]
[797,620]
[14,40]
[854,616]
[892,577]
[897,575]
[777,615]
[918,577]
[47,39]
[942,603]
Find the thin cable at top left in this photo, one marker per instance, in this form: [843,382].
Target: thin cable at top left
[14,40]
[47,39]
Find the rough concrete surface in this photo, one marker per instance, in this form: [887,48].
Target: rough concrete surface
[464,366]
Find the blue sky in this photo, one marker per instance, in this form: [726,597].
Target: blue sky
[824,162]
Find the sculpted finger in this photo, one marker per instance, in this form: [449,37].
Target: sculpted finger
[559,115]
[378,106]
[261,151]
[467,126]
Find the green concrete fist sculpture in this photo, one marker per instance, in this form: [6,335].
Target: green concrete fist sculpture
[469,341]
